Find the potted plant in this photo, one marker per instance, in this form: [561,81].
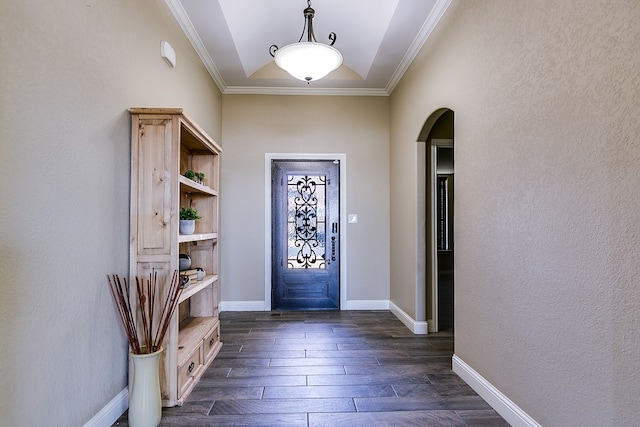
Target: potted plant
[200,177]
[189,174]
[188,218]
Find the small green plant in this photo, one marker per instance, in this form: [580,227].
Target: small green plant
[190,174]
[188,213]
[200,176]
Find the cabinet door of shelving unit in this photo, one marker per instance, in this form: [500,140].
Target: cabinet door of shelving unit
[152,146]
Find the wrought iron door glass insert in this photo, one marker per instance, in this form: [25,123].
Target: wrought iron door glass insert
[306,220]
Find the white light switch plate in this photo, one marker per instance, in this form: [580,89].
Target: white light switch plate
[352,218]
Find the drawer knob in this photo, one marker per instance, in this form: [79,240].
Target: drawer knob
[211,341]
[191,366]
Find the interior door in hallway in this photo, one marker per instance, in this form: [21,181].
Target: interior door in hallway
[305,235]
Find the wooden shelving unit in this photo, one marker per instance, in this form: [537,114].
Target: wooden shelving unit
[164,144]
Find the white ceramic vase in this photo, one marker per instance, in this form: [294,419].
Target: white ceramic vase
[145,403]
[187,226]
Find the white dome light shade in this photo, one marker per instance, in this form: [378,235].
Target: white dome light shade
[308,61]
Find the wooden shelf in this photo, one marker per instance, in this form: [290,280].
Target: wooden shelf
[184,238]
[196,287]
[164,144]
[189,186]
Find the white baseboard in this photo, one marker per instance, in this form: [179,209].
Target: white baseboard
[494,397]
[260,305]
[243,306]
[111,412]
[417,327]
[367,305]
[430,323]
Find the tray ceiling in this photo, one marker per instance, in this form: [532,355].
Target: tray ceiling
[377,38]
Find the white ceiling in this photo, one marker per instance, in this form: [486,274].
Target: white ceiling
[377,38]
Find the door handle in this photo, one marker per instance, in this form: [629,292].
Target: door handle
[334,227]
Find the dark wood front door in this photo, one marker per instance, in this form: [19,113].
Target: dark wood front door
[305,235]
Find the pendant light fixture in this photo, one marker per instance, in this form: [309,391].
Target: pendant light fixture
[308,60]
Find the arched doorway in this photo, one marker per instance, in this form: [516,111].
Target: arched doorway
[437,214]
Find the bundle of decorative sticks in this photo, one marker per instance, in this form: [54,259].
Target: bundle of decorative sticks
[145,332]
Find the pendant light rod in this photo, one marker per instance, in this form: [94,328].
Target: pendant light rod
[309,13]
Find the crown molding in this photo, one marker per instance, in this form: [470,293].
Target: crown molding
[430,24]
[251,90]
[187,27]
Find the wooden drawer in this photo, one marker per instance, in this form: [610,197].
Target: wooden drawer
[188,370]
[211,341]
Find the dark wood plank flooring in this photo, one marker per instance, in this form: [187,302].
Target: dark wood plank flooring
[337,368]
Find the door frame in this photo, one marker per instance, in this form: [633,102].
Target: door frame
[427,267]
[433,180]
[342,157]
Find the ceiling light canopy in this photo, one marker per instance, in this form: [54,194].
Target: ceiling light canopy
[310,60]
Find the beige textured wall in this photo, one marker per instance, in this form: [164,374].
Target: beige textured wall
[547,148]
[255,125]
[68,73]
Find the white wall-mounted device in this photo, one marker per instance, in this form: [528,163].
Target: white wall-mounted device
[167,52]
